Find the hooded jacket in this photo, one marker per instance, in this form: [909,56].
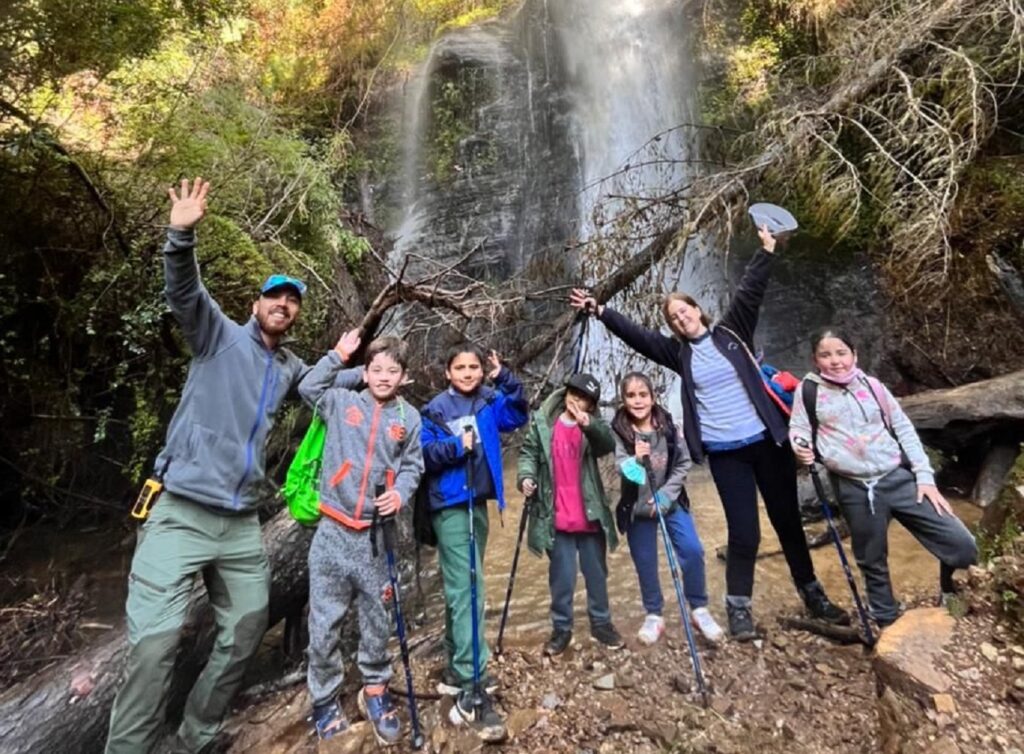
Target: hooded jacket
[853,440]
[535,463]
[669,480]
[369,445]
[499,409]
[676,353]
[216,442]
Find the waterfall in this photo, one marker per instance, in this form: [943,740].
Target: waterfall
[512,126]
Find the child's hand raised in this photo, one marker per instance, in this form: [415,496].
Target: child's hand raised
[642,450]
[348,344]
[388,503]
[767,239]
[495,362]
[577,414]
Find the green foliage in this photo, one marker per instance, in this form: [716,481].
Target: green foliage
[454,105]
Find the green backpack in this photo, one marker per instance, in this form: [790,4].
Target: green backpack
[302,482]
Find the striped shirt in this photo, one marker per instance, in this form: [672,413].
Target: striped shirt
[724,408]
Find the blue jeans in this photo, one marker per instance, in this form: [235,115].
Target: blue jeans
[644,537]
[562,577]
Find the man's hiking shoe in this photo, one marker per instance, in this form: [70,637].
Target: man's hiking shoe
[380,710]
[329,720]
[450,685]
[705,622]
[607,635]
[820,607]
[651,630]
[560,640]
[741,622]
[484,720]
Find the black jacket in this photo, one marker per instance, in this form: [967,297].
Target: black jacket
[676,353]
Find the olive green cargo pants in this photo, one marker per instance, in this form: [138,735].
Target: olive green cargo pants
[180,539]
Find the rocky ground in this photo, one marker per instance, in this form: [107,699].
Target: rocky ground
[936,684]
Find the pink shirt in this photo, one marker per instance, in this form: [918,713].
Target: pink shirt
[566,458]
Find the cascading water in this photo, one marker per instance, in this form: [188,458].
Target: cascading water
[517,133]
[633,91]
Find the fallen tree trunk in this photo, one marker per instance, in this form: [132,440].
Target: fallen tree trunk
[67,707]
[954,418]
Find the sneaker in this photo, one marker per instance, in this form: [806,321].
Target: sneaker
[451,685]
[651,630]
[705,622]
[483,719]
[741,622]
[329,720]
[380,710]
[607,635]
[820,607]
[561,640]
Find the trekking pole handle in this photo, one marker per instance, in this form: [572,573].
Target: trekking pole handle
[803,444]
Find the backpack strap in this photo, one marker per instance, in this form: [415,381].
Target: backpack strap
[875,388]
[809,393]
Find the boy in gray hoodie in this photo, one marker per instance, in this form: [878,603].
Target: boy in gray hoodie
[372,464]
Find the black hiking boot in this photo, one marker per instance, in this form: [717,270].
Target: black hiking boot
[741,622]
[820,607]
[559,642]
[607,635]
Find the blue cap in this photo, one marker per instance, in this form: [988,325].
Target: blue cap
[280,281]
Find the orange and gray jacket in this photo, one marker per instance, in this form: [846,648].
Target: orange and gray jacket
[214,454]
[369,445]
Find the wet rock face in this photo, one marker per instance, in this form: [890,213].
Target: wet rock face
[490,163]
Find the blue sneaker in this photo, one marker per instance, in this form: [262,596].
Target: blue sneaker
[380,710]
[329,720]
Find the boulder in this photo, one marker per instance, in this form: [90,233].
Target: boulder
[909,683]
[994,470]
[906,652]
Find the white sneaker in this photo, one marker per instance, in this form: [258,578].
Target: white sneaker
[652,629]
[706,624]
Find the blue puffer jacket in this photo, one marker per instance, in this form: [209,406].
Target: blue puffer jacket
[499,409]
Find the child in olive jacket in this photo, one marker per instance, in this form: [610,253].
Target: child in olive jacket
[570,518]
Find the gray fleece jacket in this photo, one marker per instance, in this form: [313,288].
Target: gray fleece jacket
[853,440]
[369,444]
[216,441]
[670,474]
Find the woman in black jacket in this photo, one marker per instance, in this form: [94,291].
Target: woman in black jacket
[729,418]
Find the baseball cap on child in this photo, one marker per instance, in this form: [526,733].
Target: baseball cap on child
[585,384]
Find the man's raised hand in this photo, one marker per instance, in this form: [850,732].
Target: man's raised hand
[188,208]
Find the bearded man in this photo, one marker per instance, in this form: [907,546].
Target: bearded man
[205,520]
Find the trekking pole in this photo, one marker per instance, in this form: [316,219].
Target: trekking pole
[389,551]
[477,696]
[512,575]
[819,488]
[677,582]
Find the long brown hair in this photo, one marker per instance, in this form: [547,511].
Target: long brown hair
[686,298]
